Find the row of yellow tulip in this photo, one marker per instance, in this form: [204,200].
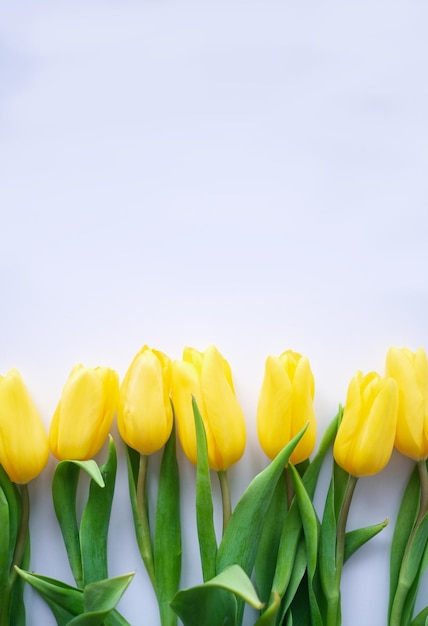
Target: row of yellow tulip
[380,411]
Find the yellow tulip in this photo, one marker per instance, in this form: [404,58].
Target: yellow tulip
[286,405]
[145,412]
[84,414]
[207,377]
[365,438]
[410,370]
[24,449]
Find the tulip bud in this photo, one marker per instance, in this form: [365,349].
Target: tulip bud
[84,414]
[24,448]
[410,370]
[207,377]
[365,438]
[286,405]
[145,412]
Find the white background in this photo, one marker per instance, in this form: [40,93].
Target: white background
[249,174]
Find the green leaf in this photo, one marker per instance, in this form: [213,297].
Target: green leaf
[88,619]
[103,595]
[421,618]
[300,608]
[100,599]
[6,546]
[410,572]
[267,554]
[406,519]
[64,490]
[95,521]
[167,538]
[241,538]
[269,617]
[17,605]
[287,576]
[10,520]
[354,539]
[288,547]
[54,591]
[329,574]
[414,588]
[214,603]
[204,502]
[77,607]
[234,579]
[210,606]
[310,528]
[137,465]
[295,579]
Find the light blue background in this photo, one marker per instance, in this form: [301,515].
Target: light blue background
[249,174]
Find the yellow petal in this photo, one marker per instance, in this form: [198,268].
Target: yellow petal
[185,385]
[410,372]
[303,411]
[145,414]
[24,449]
[224,414]
[274,410]
[84,413]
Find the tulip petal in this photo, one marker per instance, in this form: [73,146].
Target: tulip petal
[24,449]
[410,370]
[274,409]
[145,414]
[224,414]
[84,414]
[185,386]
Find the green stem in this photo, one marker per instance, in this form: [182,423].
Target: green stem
[145,542]
[333,609]
[403,585]
[18,556]
[225,497]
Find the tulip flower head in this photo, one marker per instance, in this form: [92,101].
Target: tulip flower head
[84,414]
[410,370]
[365,438]
[145,413]
[207,377]
[24,449]
[286,405]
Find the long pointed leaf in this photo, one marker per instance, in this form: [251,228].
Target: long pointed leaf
[64,491]
[6,549]
[241,538]
[103,595]
[414,566]
[296,579]
[141,518]
[421,618]
[405,594]
[310,528]
[65,596]
[167,538]
[214,603]
[204,501]
[210,606]
[287,578]
[95,522]
[406,518]
[327,552]
[17,605]
[268,551]
[354,539]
